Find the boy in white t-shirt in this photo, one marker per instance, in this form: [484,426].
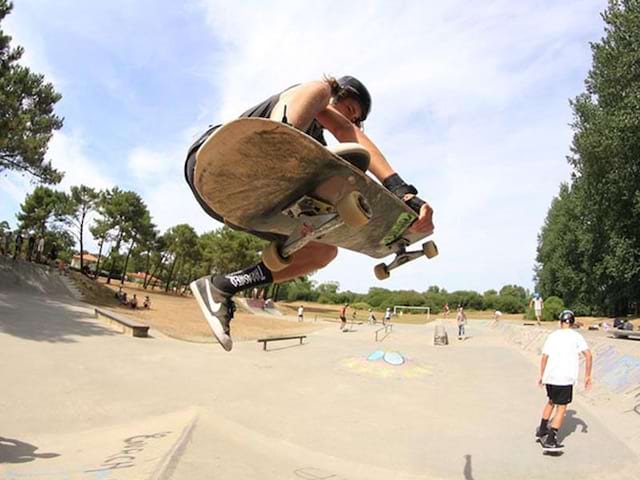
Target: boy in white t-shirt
[559,372]
[538,305]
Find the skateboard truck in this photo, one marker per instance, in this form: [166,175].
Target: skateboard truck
[315,219]
[382,270]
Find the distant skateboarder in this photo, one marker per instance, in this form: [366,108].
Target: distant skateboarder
[461,320]
[18,250]
[538,305]
[300,313]
[343,317]
[387,316]
[339,106]
[558,373]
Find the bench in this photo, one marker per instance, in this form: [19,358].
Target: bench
[276,339]
[626,334]
[127,325]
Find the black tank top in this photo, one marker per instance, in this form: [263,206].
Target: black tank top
[264,109]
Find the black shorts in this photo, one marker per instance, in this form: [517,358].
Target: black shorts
[560,394]
[189,169]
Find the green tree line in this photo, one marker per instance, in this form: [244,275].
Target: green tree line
[589,247]
[129,242]
[510,298]
[127,239]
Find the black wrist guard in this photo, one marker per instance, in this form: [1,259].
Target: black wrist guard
[398,187]
[406,193]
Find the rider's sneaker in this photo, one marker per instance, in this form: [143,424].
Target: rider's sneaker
[541,433]
[551,443]
[217,308]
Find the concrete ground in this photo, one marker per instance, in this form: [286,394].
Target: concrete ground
[80,401]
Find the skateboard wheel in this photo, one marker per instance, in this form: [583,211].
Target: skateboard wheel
[354,210]
[272,258]
[381,271]
[430,249]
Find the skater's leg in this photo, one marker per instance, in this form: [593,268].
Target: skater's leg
[547,410]
[214,294]
[543,429]
[309,258]
[561,410]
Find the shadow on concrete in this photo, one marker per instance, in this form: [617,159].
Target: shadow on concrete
[15,451]
[468,469]
[284,347]
[44,319]
[570,425]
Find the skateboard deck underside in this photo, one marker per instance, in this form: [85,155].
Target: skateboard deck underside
[252,169]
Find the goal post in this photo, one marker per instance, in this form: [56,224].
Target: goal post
[400,309]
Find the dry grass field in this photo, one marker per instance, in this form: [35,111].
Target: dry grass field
[179,316]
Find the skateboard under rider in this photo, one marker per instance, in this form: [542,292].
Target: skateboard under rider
[266,176]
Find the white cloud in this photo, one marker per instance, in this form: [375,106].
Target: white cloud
[68,153]
[469,103]
[163,187]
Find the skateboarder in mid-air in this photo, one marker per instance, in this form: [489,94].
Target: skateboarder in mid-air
[559,372]
[339,106]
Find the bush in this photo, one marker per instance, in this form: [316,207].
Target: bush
[581,310]
[491,301]
[509,304]
[552,308]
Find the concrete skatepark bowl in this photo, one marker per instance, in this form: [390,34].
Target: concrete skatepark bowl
[81,401]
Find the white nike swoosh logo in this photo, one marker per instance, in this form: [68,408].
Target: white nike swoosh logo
[215,306]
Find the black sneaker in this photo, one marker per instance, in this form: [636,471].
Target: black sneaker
[551,443]
[540,434]
[217,308]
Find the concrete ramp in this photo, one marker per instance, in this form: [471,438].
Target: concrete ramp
[26,277]
[145,449]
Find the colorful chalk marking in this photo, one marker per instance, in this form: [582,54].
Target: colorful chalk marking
[377,355]
[393,358]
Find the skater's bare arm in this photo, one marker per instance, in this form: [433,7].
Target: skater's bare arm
[588,362]
[543,365]
[345,131]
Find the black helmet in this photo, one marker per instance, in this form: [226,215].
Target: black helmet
[359,92]
[567,316]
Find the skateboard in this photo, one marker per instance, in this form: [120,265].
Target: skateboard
[266,176]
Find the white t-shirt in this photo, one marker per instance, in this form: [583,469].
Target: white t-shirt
[563,348]
[300,311]
[537,303]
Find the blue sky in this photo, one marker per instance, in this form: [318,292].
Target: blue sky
[470,104]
